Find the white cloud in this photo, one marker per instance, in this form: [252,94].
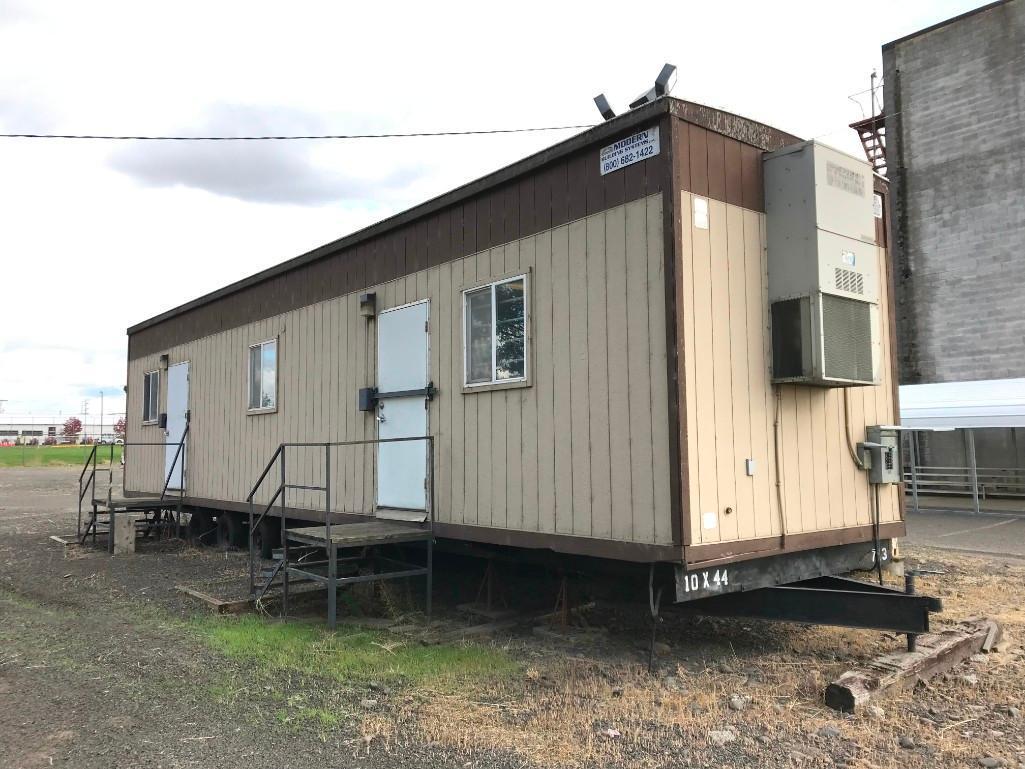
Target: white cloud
[266,171]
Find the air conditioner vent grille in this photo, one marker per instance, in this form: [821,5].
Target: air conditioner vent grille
[846,338]
[849,281]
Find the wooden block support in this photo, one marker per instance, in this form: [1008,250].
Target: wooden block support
[219,605]
[936,654]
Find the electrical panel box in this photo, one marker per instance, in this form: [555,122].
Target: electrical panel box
[886,461]
[823,266]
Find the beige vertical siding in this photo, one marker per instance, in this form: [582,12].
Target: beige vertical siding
[731,405]
[583,450]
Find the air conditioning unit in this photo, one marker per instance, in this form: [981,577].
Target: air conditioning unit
[823,267]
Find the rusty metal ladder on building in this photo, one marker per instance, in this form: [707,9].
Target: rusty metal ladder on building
[872,133]
[315,553]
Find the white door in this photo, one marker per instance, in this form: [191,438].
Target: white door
[401,367]
[177,408]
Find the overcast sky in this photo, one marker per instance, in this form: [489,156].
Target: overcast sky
[96,236]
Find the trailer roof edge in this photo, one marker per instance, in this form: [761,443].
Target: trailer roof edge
[741,128]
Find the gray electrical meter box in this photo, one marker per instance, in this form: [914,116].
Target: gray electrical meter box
[886,461]
[823,266]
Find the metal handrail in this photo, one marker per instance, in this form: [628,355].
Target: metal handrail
[85,467]
[91,460]
[278,452]
[174,462]
[266,470]
[280,491]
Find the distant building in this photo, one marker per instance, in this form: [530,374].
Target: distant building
[954,124]
[12,433]
[15,429]
[955,132]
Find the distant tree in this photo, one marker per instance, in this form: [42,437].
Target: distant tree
[72,427]
[119,428]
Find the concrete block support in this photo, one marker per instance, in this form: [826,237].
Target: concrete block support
[123,533]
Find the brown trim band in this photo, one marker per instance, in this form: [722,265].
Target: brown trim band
[637,552]
[731,552]
[560,184]
[674,347]
[562,543]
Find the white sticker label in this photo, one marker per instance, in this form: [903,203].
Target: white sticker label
[877,206]
[632,149]
[848,258]
[701,213]
[710,520]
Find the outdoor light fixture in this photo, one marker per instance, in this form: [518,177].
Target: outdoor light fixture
[164,359]
[604,107]
[663,84]
[368,304]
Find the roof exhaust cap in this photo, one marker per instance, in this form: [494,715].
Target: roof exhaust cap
[664,83]
[604,107]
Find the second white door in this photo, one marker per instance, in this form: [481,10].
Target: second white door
[402,354]
[177,417]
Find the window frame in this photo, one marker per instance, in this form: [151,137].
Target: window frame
[493,383]
[154,402]
[249,379]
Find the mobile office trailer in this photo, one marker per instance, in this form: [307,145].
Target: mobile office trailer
[654,342]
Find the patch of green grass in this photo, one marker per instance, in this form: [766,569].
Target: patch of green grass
[302,716]
[351,655]
[55,456]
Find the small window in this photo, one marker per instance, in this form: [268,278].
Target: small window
[263,376]
[495,341]
[150,396]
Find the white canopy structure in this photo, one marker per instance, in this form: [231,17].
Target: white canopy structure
[959,406]
[952,405]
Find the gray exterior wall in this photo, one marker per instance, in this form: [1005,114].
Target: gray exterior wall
[955,106]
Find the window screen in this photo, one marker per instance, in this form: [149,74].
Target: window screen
[263,375]
[495,340]
[150,396]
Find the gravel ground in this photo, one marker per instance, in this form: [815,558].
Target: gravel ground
[98,668]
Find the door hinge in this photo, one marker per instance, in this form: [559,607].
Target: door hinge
[426,326]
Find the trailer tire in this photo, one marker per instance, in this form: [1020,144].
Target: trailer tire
[229,530]
[267,537]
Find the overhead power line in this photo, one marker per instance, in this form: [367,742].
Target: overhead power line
[114,137]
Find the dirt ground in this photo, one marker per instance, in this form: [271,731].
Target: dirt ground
[102,665]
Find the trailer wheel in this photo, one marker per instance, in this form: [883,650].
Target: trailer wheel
[267,537]
[201,527]
[229,530]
